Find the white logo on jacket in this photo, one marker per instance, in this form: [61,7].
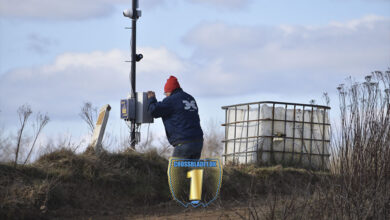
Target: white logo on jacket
[190,105]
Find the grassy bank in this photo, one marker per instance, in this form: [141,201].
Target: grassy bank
[64,184]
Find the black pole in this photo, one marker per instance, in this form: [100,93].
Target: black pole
[133,66]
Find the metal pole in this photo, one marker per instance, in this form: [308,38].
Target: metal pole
[235,135]
[133,65]
[273,161]
[247,137]
[226,132]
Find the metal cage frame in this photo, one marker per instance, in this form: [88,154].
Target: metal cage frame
[286,105]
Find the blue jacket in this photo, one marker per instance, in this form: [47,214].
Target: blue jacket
[179,113]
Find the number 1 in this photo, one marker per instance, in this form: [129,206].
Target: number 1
[196,184]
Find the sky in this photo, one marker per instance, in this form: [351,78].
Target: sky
[55,55]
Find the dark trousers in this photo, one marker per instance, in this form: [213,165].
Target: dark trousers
[191,150]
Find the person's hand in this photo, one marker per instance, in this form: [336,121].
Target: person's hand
[151,94]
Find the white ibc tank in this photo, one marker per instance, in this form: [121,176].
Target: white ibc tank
[267,134]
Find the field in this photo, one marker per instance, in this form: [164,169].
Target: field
[65,185]
[133,185]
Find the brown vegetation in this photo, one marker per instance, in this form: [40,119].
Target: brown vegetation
[63,184]
[128,184]
[358,184]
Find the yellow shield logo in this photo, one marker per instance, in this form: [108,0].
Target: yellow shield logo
[194,182]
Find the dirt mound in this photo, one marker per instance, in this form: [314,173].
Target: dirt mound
[63,181]
[63,184]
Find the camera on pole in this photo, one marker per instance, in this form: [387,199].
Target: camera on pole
[134,109]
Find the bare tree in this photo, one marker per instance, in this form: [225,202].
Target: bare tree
[89,113]
[326,98]
[165,149]
[212,145]
[40,122]
[24,113]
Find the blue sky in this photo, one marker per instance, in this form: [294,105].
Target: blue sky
[54,54]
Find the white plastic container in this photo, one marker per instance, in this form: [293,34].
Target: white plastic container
[268,134]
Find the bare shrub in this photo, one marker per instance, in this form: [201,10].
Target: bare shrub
[160,145]
[49,147]
[61,142]
[363,149]
[41,121]
[358,185]
[67,142]
[143,146]
[166,149]
[212,145]
[18,147]
[89,114]
[24,113]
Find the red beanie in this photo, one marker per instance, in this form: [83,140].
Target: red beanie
[171,84]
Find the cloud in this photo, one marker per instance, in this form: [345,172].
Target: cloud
[235,59]
[65,10]
[78,10]
[227,60]
[101,77]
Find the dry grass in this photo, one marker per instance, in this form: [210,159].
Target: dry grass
[360,189]
[358,185]
[126,184]
[63,181]
[64,184]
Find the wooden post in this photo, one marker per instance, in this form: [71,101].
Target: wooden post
[100,127]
